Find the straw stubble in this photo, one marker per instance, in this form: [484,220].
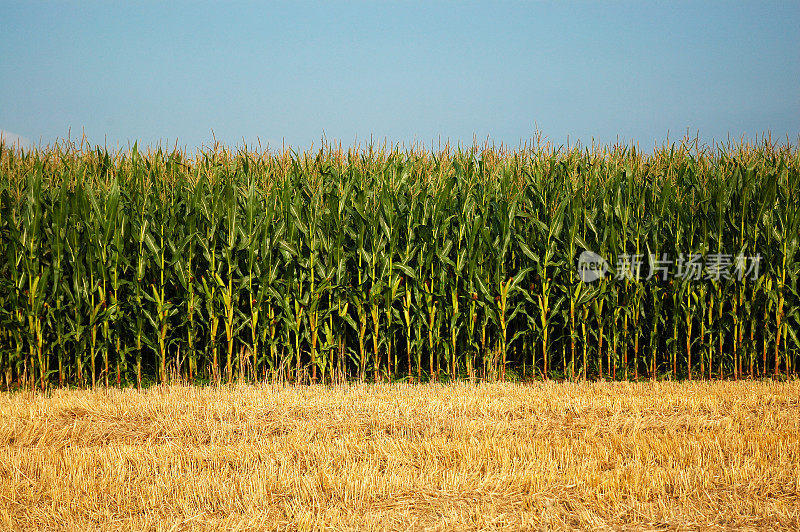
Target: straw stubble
[553,455]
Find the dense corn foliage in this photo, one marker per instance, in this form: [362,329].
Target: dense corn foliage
[384,263]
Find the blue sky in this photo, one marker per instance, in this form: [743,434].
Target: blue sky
[401,71]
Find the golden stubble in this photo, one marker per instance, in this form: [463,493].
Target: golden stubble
[489,456]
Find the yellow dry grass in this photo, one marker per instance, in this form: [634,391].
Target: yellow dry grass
[656,455]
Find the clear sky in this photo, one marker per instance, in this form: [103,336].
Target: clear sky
[403,71]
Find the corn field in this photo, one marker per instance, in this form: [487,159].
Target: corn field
[382,263]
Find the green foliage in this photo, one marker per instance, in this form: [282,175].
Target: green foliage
[390,264]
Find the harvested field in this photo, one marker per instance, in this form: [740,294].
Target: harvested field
[546,455]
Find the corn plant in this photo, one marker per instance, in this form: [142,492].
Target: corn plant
[333,264]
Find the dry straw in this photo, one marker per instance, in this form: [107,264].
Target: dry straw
[704,455]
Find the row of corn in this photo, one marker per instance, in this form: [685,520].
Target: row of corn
[384,263]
